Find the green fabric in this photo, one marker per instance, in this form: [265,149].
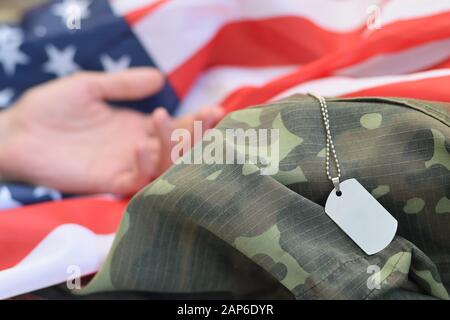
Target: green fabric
[227,228]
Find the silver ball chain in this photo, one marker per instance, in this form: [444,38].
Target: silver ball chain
[329,143]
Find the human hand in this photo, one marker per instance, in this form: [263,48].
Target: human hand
[64,135]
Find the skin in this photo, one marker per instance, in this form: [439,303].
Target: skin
[64,135]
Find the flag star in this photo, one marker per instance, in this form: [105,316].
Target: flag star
[111,65]
[67,8]
[11,39]
[6,96]
[6,199]
[61,62]
[39,192]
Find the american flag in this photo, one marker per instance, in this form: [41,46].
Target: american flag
[231,52]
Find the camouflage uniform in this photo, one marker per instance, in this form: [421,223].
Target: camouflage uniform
[227,228]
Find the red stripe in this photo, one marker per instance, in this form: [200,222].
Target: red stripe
[392,38]
[275,41]
[425,89]
[135,16]
[22,229]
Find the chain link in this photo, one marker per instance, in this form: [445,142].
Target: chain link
[329,143]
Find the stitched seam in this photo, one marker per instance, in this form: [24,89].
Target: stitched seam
[330,274]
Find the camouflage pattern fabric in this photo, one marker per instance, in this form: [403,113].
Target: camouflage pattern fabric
[227,228]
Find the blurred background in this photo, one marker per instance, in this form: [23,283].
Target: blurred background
[11,10]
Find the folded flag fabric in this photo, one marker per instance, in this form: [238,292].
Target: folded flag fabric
[43,48]
[237,53]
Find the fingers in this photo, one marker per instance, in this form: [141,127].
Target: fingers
[150,125]
[218,114]
[146,169]
[136,83]
[163,129]
[210,116]
[148,155]
[154,156]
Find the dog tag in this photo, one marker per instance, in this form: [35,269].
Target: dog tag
[361,217]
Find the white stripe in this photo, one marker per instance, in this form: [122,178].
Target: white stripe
[337,86]
[178,29]
[406,9]
[406,61]
[216,83]
[122,7]
[47,265]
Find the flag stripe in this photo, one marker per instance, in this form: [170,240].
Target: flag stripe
[410,60]
[268,42]
[214,84]
[343,86]
[67,250]
[140,13]
[124,7]
[400,38]
[159,32]
[35,222]
[204,19]
[425,89]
